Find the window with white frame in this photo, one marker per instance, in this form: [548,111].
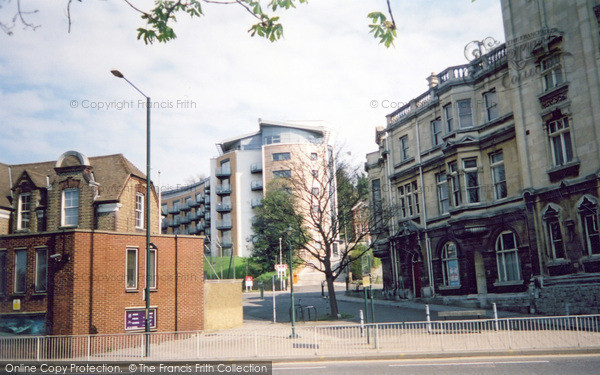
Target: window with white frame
[153,268]
[436,132]
[448,116]
[442,192]
[408,196]
[24,213]
[465,114]
[404,148]
[471,180]
[41,270]
[552,72]
[131,268]
[507,257]
[139,210]
[455,184]
[560,141]
[450,265]
[588,213]
[498,175]
[3,266]
[20,271]
[556,246]
[490,100]
[70,207]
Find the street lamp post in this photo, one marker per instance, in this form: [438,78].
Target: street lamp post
[293,336]
[118,74]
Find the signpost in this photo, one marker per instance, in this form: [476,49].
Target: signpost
[249,281]
[281,273]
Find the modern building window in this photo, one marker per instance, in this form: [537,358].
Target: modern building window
[20,271]
[490,99]
[272,139]
[3,272]
[139,211]
[315,173]
[279,156]
[465,113]
[152,268]
[132,269]
[70,209]
[41,270]
[552,72]
[24,212]
[315,191]
[560,141]
[471,180]
[507,257]
[436,132]
[455,184]
[498,175]
[313,156]
[448,117]
[442,192]
[404,149]
[450,265]
[287,173]
[409,199]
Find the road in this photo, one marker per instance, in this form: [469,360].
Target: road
[546,365]
[256,309]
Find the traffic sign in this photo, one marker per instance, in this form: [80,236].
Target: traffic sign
[281,267]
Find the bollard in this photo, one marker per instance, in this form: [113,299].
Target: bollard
[362,324]
[262,291]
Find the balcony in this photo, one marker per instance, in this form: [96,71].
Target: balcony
[186,206]
[223,172]
[224,207]
[164,210]
[199,214]
[195,202]
[256,185]
[166,223]
[207,199]
[256,202]
[175,222]
[174,209]
[256,168]
[224,190]
[226,243]
[207,216]
[223,224]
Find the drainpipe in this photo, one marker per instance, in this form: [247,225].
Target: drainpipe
[424,213]
[390,165]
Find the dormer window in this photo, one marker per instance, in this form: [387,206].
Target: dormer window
[70,207]
[24,211]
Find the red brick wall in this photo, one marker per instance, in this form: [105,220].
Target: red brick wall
[86,290]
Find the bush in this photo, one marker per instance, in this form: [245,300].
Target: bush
[356,261]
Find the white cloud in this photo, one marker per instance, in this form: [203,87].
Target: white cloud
[326,68]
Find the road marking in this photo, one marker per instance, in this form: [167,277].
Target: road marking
[468,363]
[299,368]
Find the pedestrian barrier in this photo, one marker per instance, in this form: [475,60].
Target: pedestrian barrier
[275,341]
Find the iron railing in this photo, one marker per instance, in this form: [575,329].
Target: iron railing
[273,340]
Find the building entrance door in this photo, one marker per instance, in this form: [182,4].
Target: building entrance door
[480,273]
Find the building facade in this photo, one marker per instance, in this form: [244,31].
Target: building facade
[244,168]
[491,177]
[73,252]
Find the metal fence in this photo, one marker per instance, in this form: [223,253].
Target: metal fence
[273,341]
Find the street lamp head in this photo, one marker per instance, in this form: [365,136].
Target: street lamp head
[117,74]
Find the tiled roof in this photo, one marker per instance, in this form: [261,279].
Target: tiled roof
[111,172]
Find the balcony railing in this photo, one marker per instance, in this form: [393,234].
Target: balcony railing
[207,216]
[224,189]
[256,202]
[223,224]
[256,185]
[174,209]
[256,168]
[223,172]
[224,207]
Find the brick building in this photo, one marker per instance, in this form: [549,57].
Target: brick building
[72,252]
[492,175]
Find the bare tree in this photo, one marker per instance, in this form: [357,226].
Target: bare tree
[313,183]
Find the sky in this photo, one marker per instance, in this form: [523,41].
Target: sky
[215,81]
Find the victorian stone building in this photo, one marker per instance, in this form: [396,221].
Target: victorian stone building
[73,251]
[491,177]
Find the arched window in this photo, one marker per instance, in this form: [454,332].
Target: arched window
[507,257]
[588,213]
[450,264]
[554,237]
